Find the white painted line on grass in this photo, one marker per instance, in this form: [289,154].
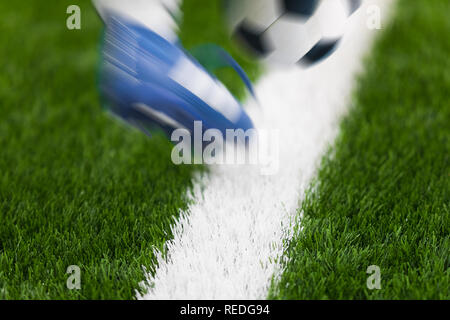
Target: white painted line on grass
[228,243]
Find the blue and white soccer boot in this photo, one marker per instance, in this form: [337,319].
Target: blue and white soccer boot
[151,82]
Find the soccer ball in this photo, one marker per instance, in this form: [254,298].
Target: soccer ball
[290,31]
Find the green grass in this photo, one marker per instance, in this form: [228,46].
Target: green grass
[76,186]
[382,194]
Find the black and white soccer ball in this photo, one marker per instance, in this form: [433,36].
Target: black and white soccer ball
[290,31]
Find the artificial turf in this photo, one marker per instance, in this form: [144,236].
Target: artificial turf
[76,186]
[382,193]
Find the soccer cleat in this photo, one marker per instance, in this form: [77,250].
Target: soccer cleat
[153,83]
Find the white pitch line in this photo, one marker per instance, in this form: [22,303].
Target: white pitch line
[227,245]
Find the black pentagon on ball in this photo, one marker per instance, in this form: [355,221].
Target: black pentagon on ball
[252,38]
[300,7]
[319,52]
